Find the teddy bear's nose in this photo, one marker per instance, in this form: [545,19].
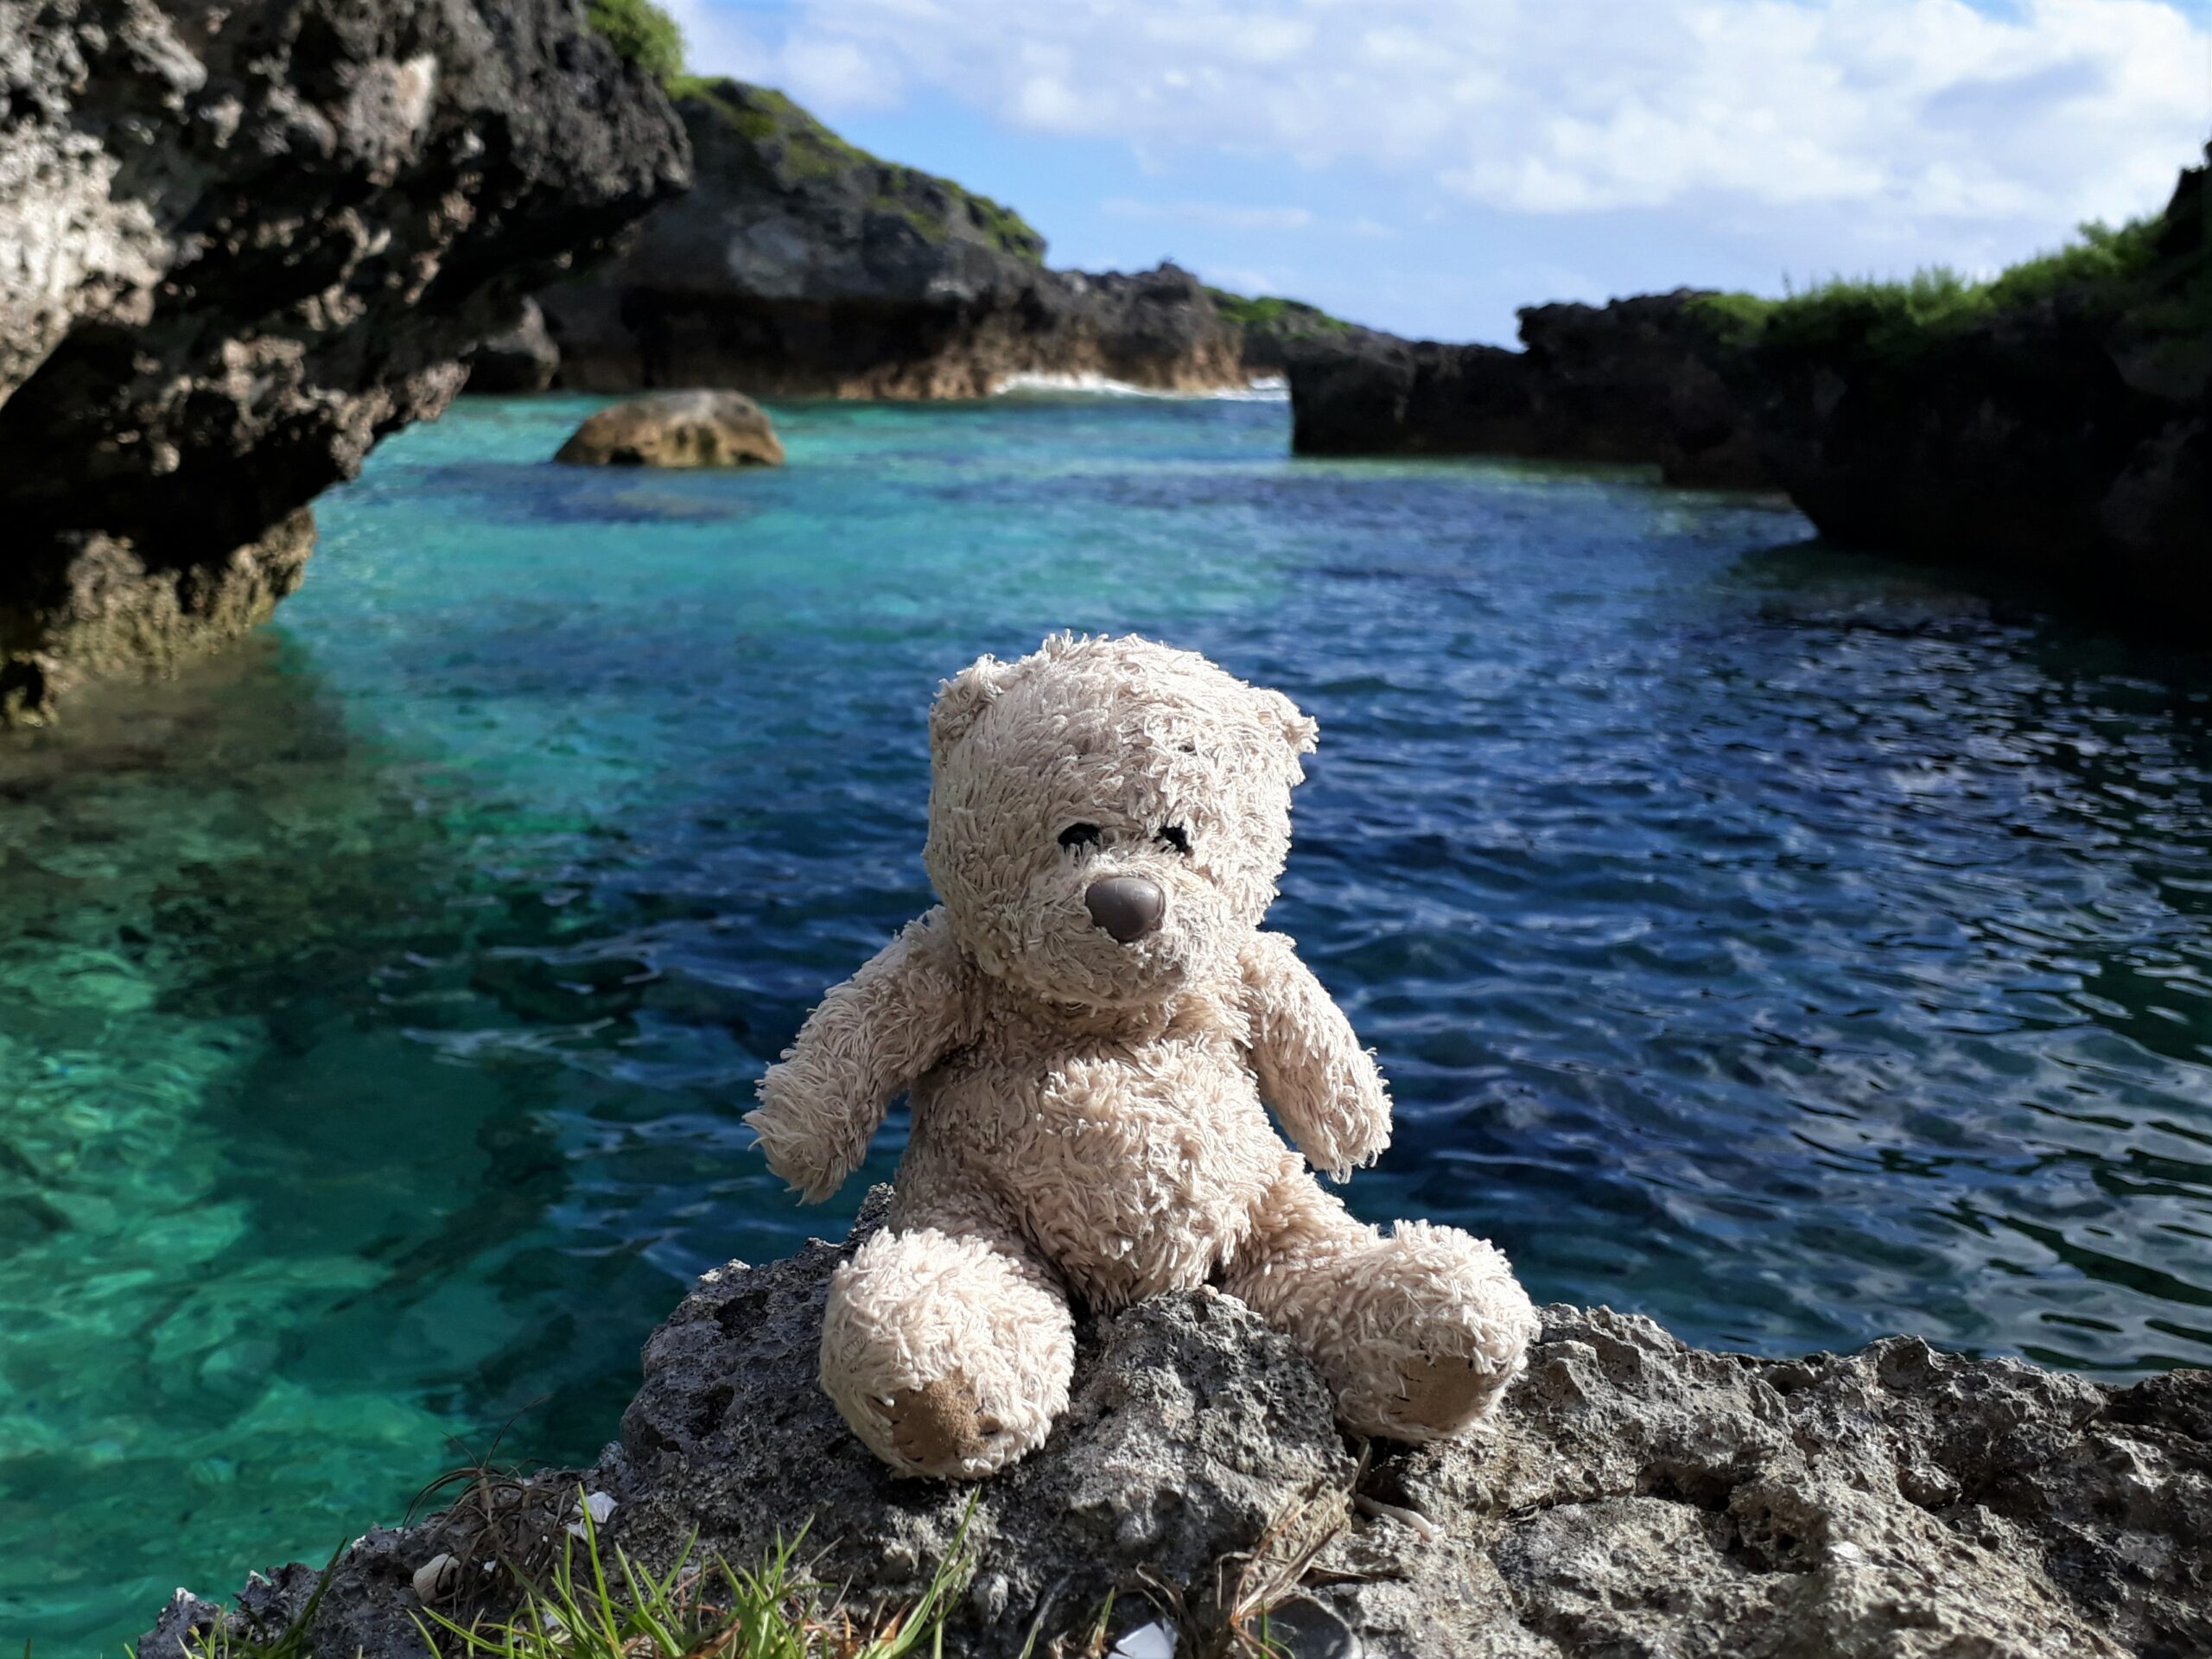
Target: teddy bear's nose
[1127,906]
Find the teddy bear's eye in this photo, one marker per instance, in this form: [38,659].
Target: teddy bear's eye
[1176,836]
[1079,835]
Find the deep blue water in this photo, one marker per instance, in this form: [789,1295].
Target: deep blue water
[1778,942]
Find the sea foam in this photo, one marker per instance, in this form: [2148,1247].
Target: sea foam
[1263,389]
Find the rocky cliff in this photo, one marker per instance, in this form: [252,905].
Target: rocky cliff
[800,265]
[239,243]
[2063,427]
[1637,1496]
[2055,421]
[1636,380]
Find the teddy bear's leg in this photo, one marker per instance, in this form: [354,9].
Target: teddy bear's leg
[948,1352]
[1417,1332]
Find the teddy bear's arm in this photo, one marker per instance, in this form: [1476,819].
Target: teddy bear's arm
[869,1039]
[1312,1070]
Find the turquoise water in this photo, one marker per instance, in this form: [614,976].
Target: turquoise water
[1778,942]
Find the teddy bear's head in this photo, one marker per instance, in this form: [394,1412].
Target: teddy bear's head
[1108,817]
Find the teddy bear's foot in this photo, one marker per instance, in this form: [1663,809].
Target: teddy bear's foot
[1417,1333]
[939,1426]
[949,1355]
[1439,1399]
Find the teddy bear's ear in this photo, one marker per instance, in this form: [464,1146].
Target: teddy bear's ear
[1300,731]
[961,701]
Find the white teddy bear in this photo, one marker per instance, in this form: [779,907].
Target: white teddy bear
[1091,1026]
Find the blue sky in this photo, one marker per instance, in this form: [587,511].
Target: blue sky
[1428,165]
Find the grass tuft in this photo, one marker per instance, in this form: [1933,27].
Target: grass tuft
[589,1608]
[1251,1586]
[498,1520]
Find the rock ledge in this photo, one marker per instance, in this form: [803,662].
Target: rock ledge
[1638,1497]
[240,244]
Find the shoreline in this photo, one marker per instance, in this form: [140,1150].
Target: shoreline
[1896,1499]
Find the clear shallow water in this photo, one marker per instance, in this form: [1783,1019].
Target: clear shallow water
[1772,941]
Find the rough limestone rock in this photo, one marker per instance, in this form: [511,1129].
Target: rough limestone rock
[239,244]
[1636,380]
[522,359]
[800,265]
[1637,1497]
[677,429]
[1190,1427]
[1276,329]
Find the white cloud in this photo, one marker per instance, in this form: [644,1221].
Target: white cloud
[836,73]
[1245,279]
[716,42]
[1224,215]
[1899,109]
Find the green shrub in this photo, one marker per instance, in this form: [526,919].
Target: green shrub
[1012,232]
[641,32]
[2104,254]
[2109,267]
[1276,314]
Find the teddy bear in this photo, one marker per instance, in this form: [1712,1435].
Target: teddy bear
[1090,1028]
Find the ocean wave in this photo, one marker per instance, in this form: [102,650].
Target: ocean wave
[1263,389]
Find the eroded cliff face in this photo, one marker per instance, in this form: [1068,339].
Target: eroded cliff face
[239,243]
[801,266]
[1636,380]
[2063,435]
[2069,436]
[1637,1496]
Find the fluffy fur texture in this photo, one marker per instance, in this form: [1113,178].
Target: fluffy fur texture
[1089,1115]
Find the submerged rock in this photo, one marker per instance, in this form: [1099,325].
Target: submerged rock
[677,429]
[800,265]
[239,243]
[1637,1496]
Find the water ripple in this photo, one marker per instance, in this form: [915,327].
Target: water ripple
[1793,946]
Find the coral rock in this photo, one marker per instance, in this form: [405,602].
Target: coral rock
[677,429]
[1637,1496]
[239,244]
[524,359]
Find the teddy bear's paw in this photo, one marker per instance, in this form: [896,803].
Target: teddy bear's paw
[939,1429]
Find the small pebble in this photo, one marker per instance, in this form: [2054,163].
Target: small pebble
[598,1506]
[436,1578]
[1429,1531]
[1153,1641]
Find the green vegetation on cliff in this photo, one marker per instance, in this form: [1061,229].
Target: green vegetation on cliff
[641,32]
[1271,314]
[2157,272]
[804,148]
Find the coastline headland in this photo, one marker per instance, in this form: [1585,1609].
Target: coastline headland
[2054,421]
